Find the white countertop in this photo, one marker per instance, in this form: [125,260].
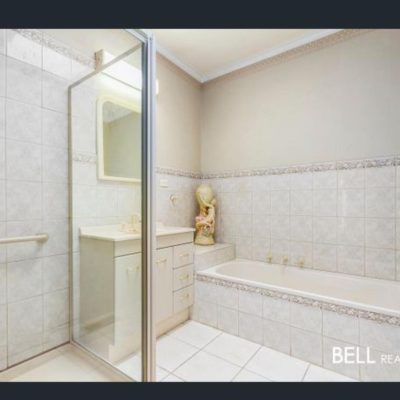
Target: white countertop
[115,233]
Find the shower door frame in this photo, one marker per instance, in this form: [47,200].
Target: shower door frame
[148,239]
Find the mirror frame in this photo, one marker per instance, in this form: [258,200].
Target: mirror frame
[100,142]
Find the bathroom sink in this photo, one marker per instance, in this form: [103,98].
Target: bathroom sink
[119,232]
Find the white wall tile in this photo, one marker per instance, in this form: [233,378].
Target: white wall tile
[2,75]
[261,248]
[351,231]
[325,257]
[306,346]
[23,49]
[301,181]
[301,254]
[324,230]
[324,203]
[380,202]
[56,63]
[280,226]
[24,279]
[27,250]
[301,202]
[2,200]
[261,203]
[58,237]
[54,128]
[250,303]
[55,309]
[325,180]
[24,82]
[276,310]
[351,203]
[261,226]
[2,41]
[351,260]
[380,177]
[228,320]
[205,312]
[55,164]
[301,228]
[55,273]
[380,263]
[251,327]
[21,207]
[23,122]
[3,287]
[306,317]
[280,182]
[24,161]
[379,372]
[55,93]
[2,158]
[55,201]
[280,202]
[228,297]
[380,232]
[351,178]
[341,327]
[277,336]
[2,117]
[378,336]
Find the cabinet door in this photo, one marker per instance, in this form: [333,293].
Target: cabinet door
[127,329]
[163,284]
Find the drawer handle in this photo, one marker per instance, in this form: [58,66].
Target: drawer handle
[184,297]
[184,277]
[131,270]
[162,261]
[184,255]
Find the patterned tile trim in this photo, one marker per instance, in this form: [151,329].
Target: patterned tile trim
[377,317]
[84,158]
[312,167]
[178,172]
[45,40]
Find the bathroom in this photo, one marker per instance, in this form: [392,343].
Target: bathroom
[105,138]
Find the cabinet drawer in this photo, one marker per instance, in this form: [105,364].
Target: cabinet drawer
[163,284]
[183,277]
[183,255]
[183,298]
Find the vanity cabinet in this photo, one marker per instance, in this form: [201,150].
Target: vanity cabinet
[110,285]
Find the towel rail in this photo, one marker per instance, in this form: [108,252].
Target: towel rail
[40,237]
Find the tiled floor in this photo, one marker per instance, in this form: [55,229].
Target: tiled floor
[65,364]
[194,352]
[191,352]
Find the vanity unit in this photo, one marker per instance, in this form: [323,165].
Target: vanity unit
[110,283]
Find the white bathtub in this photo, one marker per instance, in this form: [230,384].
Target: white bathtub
[373,295]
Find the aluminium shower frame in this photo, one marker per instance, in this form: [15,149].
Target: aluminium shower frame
[148,241]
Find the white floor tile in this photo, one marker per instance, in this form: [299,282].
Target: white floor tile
[232,348]
[318,374]
[171,352]
[247,376]
[204,367]
[277,366]
[132,367]
[172,378]
[194,333]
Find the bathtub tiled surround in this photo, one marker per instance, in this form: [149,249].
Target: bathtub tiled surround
[306,330]
[342,217]
[34,77]
[208,256]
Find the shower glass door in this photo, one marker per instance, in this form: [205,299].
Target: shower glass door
[110,204]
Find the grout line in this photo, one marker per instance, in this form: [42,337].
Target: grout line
[305,373]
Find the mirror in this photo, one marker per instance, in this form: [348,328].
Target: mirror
[118,140]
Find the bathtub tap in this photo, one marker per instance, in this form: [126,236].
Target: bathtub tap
[269,258]
[301,262]
[285,259]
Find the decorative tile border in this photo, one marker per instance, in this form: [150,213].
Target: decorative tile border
[355,312]
[84,158]
[45,40]
[178,172]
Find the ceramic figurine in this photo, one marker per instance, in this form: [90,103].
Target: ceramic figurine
[205,221]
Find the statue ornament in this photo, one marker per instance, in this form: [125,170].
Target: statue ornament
[205,221]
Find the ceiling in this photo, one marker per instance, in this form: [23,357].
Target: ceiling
[208,53]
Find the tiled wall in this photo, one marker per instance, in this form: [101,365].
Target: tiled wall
[33,195]
[185,209]
[341,220]
[303,331]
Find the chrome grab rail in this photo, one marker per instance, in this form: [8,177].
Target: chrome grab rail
[40,237]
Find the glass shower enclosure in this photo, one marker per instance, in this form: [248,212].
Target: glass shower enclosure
[111,147]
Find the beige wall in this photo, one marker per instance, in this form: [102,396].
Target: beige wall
[340,102]
[178,118]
